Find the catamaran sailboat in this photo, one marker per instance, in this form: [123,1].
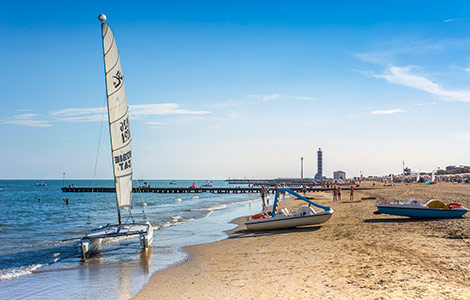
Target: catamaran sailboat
[121,154]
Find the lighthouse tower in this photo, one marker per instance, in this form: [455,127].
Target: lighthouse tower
[319,175]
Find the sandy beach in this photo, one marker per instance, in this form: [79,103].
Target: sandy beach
[355,255]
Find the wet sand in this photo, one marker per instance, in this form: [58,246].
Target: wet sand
[355,255]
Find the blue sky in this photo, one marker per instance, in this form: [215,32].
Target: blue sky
[237,88]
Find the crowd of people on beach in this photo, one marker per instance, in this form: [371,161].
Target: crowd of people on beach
[336,190]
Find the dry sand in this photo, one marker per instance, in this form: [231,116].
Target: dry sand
[355,255]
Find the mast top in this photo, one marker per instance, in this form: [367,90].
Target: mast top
[102,17]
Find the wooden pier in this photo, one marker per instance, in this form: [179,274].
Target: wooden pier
[292,182]
[175,190]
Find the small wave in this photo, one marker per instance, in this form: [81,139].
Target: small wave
[214,208]
[177,200]
[196,197]
[10,273]
[56,257]
[162,225]
[175,218]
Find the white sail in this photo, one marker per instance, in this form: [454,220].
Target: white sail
[118,120]
[433,176]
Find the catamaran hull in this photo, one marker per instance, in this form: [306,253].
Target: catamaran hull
[421,212]
[92,242]
[89,246]
[283,222]
[146,239]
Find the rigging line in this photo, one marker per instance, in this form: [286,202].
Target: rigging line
[99,139]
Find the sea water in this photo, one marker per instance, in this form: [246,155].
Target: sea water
[39,258]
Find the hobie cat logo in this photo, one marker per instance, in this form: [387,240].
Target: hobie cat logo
[119,78]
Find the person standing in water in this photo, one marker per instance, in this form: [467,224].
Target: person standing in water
[263,195]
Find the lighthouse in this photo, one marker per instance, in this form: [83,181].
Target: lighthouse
[319,175]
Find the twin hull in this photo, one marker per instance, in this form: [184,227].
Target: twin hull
[93,241]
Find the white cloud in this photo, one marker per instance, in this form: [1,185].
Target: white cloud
[96,114]
[26,120]
[139,111]
[162,109]
[29,123]
[405,77]
[264,97]
[426,103]
[454,20]
[25,116]
[67,112]
[233,115]
[74,115]
[407,46]
[155,123]
[304,98]
[388,112]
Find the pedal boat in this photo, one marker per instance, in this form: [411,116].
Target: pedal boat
[412,208]
[304,216]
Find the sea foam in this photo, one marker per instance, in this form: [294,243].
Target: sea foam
[15,272]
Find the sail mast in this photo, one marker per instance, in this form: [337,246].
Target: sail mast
[118,117]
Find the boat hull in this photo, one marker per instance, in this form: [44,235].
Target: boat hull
[92,242]
[283,222]
[419,212]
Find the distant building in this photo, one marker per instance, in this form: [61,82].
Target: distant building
[319,175]
[339,175]
[450,168]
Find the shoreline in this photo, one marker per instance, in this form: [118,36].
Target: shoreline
[355,255]
[122,269]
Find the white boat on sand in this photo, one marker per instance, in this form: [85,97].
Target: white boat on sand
[121,155]
[304,216]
